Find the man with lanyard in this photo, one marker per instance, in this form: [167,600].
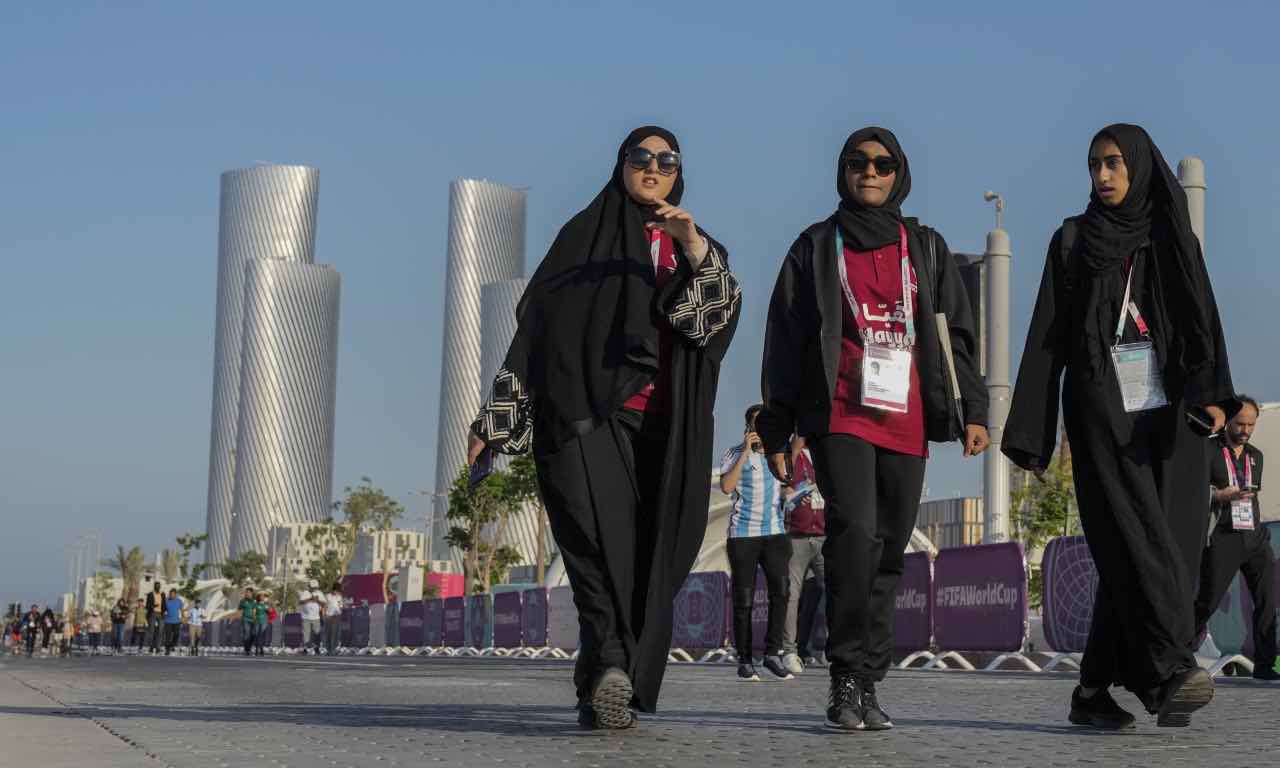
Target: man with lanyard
[1237,539]
[805,516]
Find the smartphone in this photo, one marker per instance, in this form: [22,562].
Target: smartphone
[482,468]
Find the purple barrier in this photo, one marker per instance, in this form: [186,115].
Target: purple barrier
[433,623]
[562,619]
[412,620]
[702,611]
[508,608]
[455,627]
[533,619]
[1232,623]
[980,598]
[344,630]
[480,621]
[913,605]
[360,628]
[292,630]
[1070,582]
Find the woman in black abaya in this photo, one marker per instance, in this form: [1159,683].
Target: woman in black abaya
[1139,467]
[612,377]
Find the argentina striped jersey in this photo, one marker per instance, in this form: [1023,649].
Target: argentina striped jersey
[757,501]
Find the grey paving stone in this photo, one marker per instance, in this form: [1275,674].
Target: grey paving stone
[225,712]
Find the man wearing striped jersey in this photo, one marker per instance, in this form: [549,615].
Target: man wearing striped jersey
[757,537]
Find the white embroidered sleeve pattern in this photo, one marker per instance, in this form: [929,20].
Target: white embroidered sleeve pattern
[505,422]
[707,303]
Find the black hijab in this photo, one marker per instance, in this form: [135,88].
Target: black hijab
[867,228]
[1154,210]
[589,310]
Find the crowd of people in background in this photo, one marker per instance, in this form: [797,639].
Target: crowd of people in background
[154,625]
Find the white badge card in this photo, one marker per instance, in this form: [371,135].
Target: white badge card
[1138,372]
[886,378]
[1242,515]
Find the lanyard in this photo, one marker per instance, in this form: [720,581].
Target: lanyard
[1231,468]
[908,305]
[1130,308]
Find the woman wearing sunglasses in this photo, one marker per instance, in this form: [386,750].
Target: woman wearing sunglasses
[1125,307]
[854,362]
[612,377]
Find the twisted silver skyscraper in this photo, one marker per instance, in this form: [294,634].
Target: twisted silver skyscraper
[288,380]
[486,244]
[267,213]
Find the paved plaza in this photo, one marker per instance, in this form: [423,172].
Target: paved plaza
[217,712]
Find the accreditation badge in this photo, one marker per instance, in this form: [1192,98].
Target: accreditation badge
[1242,515]
[1138,372]
[886,378]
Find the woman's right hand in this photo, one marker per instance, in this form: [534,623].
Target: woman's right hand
[475,446]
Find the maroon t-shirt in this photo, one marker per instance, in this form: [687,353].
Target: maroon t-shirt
[806,518]
[656,396]
[876,280]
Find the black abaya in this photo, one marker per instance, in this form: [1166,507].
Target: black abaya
[1140,478]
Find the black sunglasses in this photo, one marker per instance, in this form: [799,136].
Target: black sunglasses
[884,164]
[639,158]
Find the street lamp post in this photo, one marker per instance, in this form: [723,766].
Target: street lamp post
[995,487]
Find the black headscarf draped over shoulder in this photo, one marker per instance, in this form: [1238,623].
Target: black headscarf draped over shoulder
[864,227]
[1153,210]
[589,310]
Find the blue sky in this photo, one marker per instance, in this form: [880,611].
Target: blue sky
[118,119]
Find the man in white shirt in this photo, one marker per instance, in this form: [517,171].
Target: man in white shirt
[310,601]
[332,621]
[195,626]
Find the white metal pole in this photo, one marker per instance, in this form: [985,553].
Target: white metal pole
[995,466]
[1191,177]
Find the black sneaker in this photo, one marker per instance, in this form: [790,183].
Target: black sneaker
[1181,695]
[774,664]
[747,673]
[844,704]
[873,717]
[1265,673]
[611,700]
[1099,710]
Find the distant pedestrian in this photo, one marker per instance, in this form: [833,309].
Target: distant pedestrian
[757,537]
[248,620]
[139,638]
[119,619]
[332,621]
[195,627]
[310,604]
[262,634]
[172,621]
[47,620]
[31,628]
[155,617]
[805,514]
[94,625]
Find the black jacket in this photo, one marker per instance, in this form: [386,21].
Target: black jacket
[803,333]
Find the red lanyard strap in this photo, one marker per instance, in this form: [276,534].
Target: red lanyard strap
[1130,308]
[1231,468]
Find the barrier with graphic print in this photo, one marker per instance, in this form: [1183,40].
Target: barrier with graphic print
[412,620]
[980,598]
[508,608]
[701,612]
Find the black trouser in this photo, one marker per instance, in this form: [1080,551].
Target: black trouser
[171,637]
[155,626]
[31,641]
[773,554]
[873,498]
[1250,553]
[139,636]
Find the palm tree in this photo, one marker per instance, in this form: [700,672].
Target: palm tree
[129,565]
[169,565]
